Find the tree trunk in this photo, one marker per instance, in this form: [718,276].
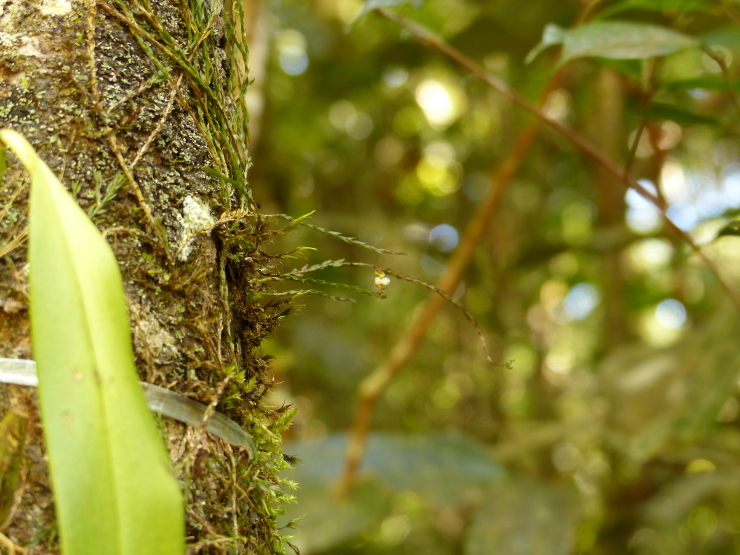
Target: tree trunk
[131,104]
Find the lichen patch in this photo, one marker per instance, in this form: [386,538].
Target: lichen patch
[195,217]
[55,7]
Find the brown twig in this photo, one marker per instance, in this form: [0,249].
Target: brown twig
[374,384]
[577,139]
[719,59]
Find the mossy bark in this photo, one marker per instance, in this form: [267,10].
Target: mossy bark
[131,105]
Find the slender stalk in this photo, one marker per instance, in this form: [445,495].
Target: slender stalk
[375,383]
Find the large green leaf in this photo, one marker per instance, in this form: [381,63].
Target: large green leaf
[525,518]
[443,469]
[616,40]
[114,488]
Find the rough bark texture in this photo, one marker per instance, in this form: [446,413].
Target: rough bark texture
[129,103]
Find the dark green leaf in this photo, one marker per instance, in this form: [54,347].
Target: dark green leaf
[659,111]
[631,68]
[708,82]
[674,503]
[732,228]
[663,6]
[728,36]
[443,467]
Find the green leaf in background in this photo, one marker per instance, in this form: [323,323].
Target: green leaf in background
[443,469]
[618,40]
[114,488]
[622,40]
[730,229]
[526,518]
[682,116]
[371,5]
[663,6]
[552,35]
[327,521]
[673,394]
[675,503]
[706,82]
[630,68]
[727,36]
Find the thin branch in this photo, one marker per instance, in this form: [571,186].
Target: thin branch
[579,140]
[375,383]
[633,148]
[719,59]
[379,271]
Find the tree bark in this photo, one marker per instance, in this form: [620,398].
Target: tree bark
[131,104]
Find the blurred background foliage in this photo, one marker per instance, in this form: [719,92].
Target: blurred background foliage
[611,424]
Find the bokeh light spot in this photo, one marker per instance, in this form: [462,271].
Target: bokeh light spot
[440,103]
[671,313]
[292,54]
[444,237]
[642,215]
[395,77]
[581,301]
[684,215]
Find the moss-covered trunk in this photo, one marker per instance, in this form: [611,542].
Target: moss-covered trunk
[131,104]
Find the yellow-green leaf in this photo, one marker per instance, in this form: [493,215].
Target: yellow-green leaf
[114,488]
